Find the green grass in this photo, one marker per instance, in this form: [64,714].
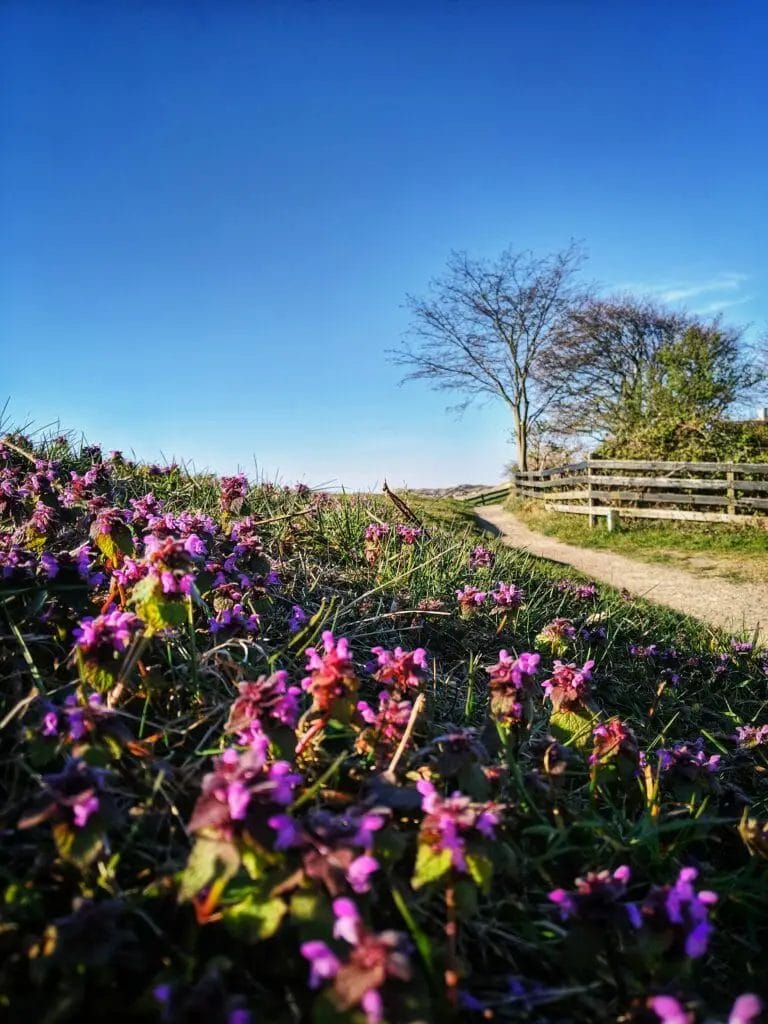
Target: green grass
[736,552]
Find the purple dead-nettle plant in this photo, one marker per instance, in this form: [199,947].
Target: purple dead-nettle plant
[681,913]
[401,672]
[359,977]
[568,686]
[557,635]
[297,619]
[506,598]
[748,736]
[481,558]
[598,899]
[234,490]
[385,726]
[687,761]
[449,823]
[511,682]
[335,849]
[613,740]
[70,797]
[409,535]
[470,600]
[75,718]
[242,792]
[375,535]
[233,620]
[269,701]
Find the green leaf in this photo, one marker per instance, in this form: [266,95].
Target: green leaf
[255,918]
[157,611]
[431,865]
[573,728]
[79,846]
[210,859]
[480,869]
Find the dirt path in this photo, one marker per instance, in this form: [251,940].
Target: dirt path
[738,607]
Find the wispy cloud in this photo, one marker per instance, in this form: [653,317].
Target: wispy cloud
[718,305]
[722,284]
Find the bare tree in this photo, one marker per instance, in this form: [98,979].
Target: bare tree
[486,327]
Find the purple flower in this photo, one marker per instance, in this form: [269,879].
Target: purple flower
[408,534]
[556,635]
[596,899]
[448,820]
[359,872]
[683,909]
[568,686]
[746,1009]
[83,808]
[751,736]
[298,618]
[400,671]
[269,700]
[102,637]
[669,1010]
[507,597]
[323,964]
[470,599]
[481,558]
[332,674]
[49,565]
[242,785]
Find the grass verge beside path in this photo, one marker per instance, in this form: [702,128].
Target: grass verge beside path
[709,549]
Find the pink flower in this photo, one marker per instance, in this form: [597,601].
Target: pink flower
[568,686]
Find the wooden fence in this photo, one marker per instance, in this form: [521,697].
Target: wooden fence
[722,492]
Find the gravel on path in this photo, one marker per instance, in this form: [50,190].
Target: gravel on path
[736,607]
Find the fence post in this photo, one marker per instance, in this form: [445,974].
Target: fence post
[730,493]
[590,499]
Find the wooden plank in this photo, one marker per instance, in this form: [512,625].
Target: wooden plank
[668,482]
[756,468]
[661,513]
[662,499]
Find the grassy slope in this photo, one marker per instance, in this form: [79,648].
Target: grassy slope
[736,552]
[559,826]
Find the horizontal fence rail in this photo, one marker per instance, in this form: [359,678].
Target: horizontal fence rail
[696,491]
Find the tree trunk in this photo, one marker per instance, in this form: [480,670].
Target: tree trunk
[521,437]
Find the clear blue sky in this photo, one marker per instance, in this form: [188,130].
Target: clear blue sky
[211,212]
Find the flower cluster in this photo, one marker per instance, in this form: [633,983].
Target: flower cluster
[683,911]
[752,735]
[100,638]
[481,558]
[598,899]
[402,672]
[241,790]
[568,686]
[506,598]
[270,700]
[511,679]
[331,674]
[556,635]
[611,740]
[470,599]
[450,820]
[233,492]
[372,959]
[582,591]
